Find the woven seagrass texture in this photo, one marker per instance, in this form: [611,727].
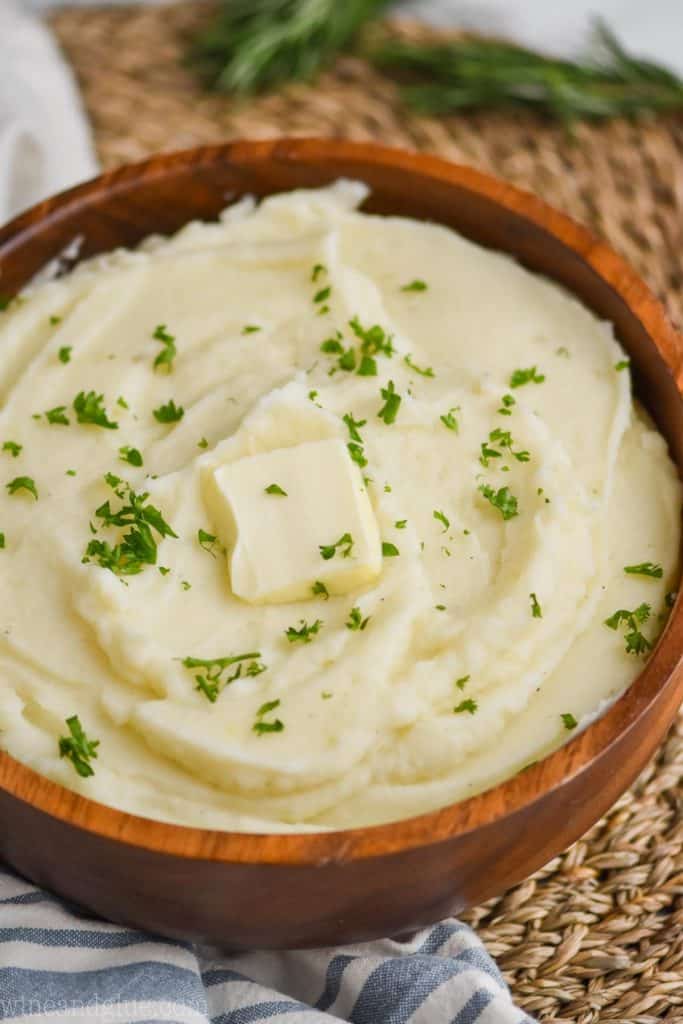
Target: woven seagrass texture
[597,935]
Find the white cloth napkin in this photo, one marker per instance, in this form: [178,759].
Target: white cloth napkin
[45,142]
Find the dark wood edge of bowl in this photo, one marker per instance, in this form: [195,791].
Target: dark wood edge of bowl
[659,679]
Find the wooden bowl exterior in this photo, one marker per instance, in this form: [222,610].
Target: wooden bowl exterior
[278,891]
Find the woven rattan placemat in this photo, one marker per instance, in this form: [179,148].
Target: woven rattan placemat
[597,935]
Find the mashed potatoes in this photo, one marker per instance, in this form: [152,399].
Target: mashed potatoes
[314,519]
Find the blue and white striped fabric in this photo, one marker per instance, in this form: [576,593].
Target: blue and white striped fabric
[58,964]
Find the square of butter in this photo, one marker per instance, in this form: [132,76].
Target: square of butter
[273,540]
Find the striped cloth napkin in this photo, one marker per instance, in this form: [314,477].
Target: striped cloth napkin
[59,964]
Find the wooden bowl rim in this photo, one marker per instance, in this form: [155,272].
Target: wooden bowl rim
[506,798]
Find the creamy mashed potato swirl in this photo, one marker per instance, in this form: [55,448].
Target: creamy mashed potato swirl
[511,480]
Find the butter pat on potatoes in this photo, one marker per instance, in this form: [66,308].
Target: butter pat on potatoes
[294,517]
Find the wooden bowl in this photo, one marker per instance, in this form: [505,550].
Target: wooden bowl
[248,891]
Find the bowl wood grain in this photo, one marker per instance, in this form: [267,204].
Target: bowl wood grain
[245,890]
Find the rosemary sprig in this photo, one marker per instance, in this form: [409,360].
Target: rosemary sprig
[481,73]
[252,45]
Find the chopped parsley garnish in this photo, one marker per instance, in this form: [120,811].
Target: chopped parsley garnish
[136,548]
[250,329]
[213,677]
[130,455]
[528,376]
[323,295]
[357,454]
[502,499]
[305,633]
[469,705]
[354,426]
[22,483]
[374,340]
[442,519]
[2,540]
[389,550]
[320,590]
[623,364]
[89,408]
[331,347]
[318,269]
[449,420]
[57,415]
[415,286]
[344,544]
[168,353]
[503,439]
[400,524]
[276,489]
[64,354]
[122,402]
[507,401]
[568,720]
[636,642]
[54,320]
[392,402]
[260,727]
[188,586]
[203,443]
[13,448]
[427,372]
[208,541]
[462,682]
[71,472]
[169,413]
[78,748]
[645,569]
[312,395]
[356,620]
[536,609]
[164,570]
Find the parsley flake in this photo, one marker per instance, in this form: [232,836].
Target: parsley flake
[130,455]
[442,518]
[502,499]
[469,705]
[357,454]
[623,364]
[57,416]
[392,402]
[415,286]
[260,727]
[507,401]
[528,376]
[64,354]
[138,546]
[400,524]
[449,419]
[22,483]
[207,541]
[251,329]
[427,372]
[78,748]
[462,682]
[320,590]
[645,569]
[165,358]
[636,642]
[354,426]
[536,609]
[356,620]
[169,413]
[2,540]
[568,720]
[345,544]
[212,679]
[276,489]
[89,409]
[318,269]
[305,633]
[13,448]
[389,550]
[203,443]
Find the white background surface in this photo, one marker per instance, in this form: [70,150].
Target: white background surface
[653,28]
